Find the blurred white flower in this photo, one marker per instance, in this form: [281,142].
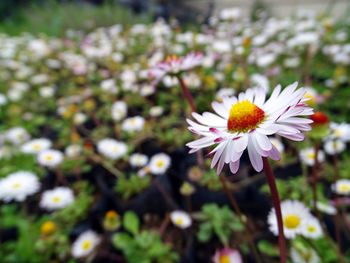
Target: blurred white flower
[138,160]
[50,158]
[333,147]
[111,148]
[36,145]
[341,187]
[17,135]
[307,156]
[133,124]
[181,219]
[159,163]
[85,244]
[57,198]
[119,110]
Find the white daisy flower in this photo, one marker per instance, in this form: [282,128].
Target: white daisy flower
[308,255]
[36,145]
[333,147]
[111,148]
[73,150]
[312,228]
[340,131]
[17,135]
[175,65]
[294,215]
[159,163]
[119,110]
[156,111]
[47,92]
[79,118]
[307,156]
[244,122]
[3,100]
[181,219]
[133,124]
[138,160]
[342,187]
[57,198]
[85,244]
[50,158]
[18,186]
[326,208]
[227,255]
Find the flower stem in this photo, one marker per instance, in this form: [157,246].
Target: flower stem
[186,92]
[314,178]
[277,205]
[236,208]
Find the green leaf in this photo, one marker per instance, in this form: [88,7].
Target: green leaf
[267,248]
[131,222]
[122,240]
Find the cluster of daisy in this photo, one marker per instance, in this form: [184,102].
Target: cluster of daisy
[297,220]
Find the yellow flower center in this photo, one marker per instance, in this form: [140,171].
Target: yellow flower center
[48,157]
[311,97]
[179,221]
[244,116]
[48,228]
[56,199]
[291,221]
[311,156]
[86,245]
[311,229]
[171,58]
[16,185]
[37,147]
[344,188]
[160,164]
[224,259]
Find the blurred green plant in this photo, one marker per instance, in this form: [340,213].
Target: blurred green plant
[142,246]
[132,185]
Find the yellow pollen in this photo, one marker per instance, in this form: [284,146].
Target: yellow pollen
[224,259]
[312,99]
[179,221]
[16,185]
[244,116]
[159,163]
[311,229]
[86,244]
[344,188]
[56,199]
[37,147]
[48,157]
[311,155]
[171,58]
[291,221]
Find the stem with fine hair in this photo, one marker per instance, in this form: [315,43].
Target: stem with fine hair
[277,205]
[237,210]
[314,178]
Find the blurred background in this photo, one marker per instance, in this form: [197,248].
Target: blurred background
[54,17]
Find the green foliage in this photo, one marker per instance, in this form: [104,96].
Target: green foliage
[142,246]
[211,180]
[27,161]
[130,186]
[219,222]
[268,248]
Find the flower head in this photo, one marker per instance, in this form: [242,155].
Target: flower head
[294,215]
[85,244]
[18,186]
[112,149]
[307,156]
[159,163]
[180,219]
[342,187]
[246,121]
[57,198]
[50,158]
[174,65]
[227,255]
[35,146]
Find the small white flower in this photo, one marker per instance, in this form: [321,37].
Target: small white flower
[307,156]
[18,186]
[119,110]
[138,160]
[227,255]
[224,92]
[340,131]
[108,85]
[294,215]
[326,208]
[47,92]
[73,150]
[50,158]
[156,111]
[36,145]
[308,255]
[147,90]
[312,228]
[85,244]
[3,100]
[57,198]
[17,135]
[159,163]
[333,147]
[342,187]
[79,118]
[133,124]
[112,149]
[181,219]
